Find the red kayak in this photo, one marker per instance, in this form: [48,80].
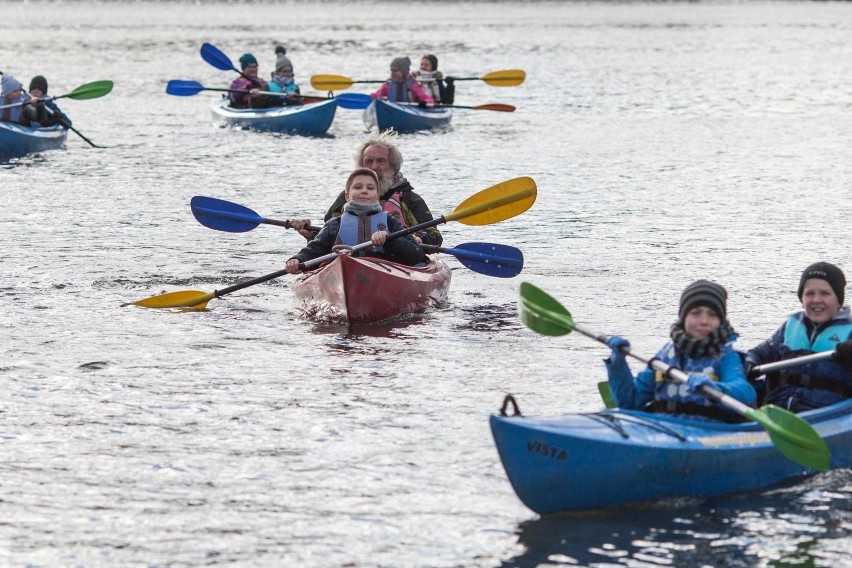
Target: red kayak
[367,290]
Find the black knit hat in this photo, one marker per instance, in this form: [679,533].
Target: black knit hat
[39,82]
[703,293]
[828,272]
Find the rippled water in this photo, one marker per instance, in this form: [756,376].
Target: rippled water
[669,142]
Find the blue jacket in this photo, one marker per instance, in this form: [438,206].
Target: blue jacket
[787,389]
[726,371]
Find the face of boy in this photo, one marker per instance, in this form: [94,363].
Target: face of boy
[363,190]
[819,300]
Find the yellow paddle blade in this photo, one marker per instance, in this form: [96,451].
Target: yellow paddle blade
[331,82]
[182,299]
[497,203]
[505,78]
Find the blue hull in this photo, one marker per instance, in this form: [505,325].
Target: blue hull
[17,140]
[314,118]
[615,457]
[405,118]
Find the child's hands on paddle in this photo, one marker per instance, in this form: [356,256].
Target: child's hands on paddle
[696,381]
[843,353]
[620,347]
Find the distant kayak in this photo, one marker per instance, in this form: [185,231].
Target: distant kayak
[17,140]
[312,118]
[383,114]
[366,289]
[616,457]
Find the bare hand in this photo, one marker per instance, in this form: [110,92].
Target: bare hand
[418,239]
[292,266]
[379,238]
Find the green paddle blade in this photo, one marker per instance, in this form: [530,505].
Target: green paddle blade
[542,313]
[606,394]
[793,437]
[90,90]
[180,299]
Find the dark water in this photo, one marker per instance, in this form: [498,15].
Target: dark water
[669,142]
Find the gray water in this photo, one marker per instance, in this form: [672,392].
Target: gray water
[669,142]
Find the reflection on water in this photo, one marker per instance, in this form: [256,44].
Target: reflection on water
[786,526]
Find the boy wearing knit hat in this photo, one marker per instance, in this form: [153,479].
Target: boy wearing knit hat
[824,324]
[46,113]
[702,346]
[401,86]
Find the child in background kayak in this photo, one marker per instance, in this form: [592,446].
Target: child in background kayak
[443,91]
[401,86]
[363,220]
[824,324]
[283,80]
[248,81]
[47,113]
[702,346]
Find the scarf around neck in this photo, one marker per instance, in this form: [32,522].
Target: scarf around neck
[710,347]
[362,210]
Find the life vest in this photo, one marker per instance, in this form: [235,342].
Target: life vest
[430,84]
[355,230]
[825,375]
[393,206]
[13,114]
[400,93]
[674,398]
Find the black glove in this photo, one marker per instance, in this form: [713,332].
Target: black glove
[843,354]
[449,81]
[422,104]
[751,373]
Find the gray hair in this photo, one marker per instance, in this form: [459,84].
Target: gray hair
[386,139]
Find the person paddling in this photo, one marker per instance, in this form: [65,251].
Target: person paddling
[13,93]
[824,324]
[702,346]
[380,153]
[248,81]
[46,111]
[401,86]
[363,220]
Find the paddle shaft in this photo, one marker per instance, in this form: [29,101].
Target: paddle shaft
[470,211]
[787,363]
[269,93]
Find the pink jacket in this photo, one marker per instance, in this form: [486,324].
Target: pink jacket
[415,92]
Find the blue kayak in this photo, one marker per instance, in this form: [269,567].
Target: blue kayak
[383,114]
[17,140]
[311,118]
[616,457]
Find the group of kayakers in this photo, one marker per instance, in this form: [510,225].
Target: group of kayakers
[426,87]
[364,216]
[30,108]
[701,345]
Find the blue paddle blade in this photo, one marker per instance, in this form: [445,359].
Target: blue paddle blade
[490,259]
[216,58]
[183,88]
[356,101]
[223,215]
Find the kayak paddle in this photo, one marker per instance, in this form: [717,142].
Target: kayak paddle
[190,88]
[359,101]
[792,436]
[93,90]
[505,78]
[491,259]
[496,203]
[223,215]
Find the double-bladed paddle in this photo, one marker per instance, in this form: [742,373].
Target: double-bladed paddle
[93,90]
[504,78]
[496,203]
[223,215]
[791,435]
[181,88]
[361,101]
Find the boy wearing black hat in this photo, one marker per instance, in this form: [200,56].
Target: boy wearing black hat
[46,112]
[824,324]
[702,346]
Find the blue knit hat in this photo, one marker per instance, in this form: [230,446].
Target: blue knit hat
[246,60]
